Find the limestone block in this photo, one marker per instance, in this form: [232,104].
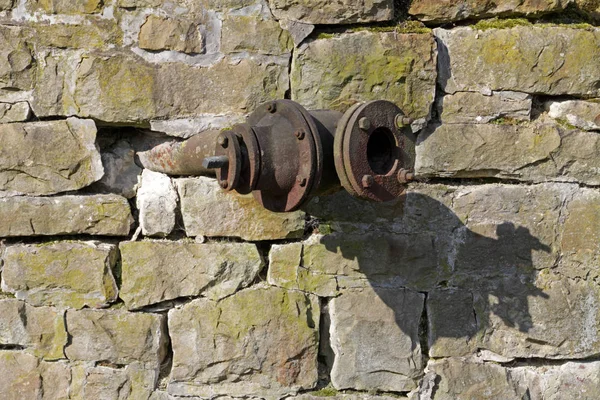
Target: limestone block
[340,71]
[56,377]
[93,34]
[125,89]
[451,10]
[324,265]
[580,236]
[109,382]
[42,158]
[155,271]
[581,114]
[157,201]
[261,341]
[375,338]
[253,34]
[158,33]
[65,274]
[139,3]
[17,65]
[121,173]
[108,215]
[17,112]
[209,211]
[332,394]
[510,59]
[328,12]
[41,330]
[534,152]
[591,7]
[475,108]
[116,336]
[66,6]
[20,377]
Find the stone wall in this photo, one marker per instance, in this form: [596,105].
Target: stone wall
[123,283]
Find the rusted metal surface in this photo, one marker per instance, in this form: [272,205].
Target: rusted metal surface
[374,151]
[284,155]
[181,158]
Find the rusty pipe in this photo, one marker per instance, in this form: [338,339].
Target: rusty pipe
[284,155]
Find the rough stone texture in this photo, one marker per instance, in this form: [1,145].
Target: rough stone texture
[475,108]
[17,66]
[248,33]
[327,12]
[40,329]
[42,158]
[209,211]
[108,215]
[65,274]
[121,173]
[227,348]
[127,90]
[67,6]
[157,201]
[438,11]
[533,152]
[116,336]
[337,72]
[17,112]
[328,394]
[155,271]
[324,265]
[365,326]
[93,34]
[581,114]
[510,59]
[6,4]
[159,33]
[110,382]
[25,377]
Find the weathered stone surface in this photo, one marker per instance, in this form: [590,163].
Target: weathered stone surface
[25,377]
[591,7]
[451,10]
[41,330]
[126,89]
[6,4]
[533,152]
[17,66]
[108,382]
[209,211]
[365,326]
[94,33]
[228,348]
[297,30]
[17,112]
[475,108]
[65,274]
[337,72]
[249,33]
[580,236]
[108,215]
[332,394]
[581,114]
[327,12]
[155,271]
[48,157]
[67,6]
[121,173]
[159,33]
[324,265]
[116,336]
[139,3]
[510,59]
[157,202]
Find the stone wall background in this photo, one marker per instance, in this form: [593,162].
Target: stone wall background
[119,283]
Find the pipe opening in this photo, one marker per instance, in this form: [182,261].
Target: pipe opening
[381,149]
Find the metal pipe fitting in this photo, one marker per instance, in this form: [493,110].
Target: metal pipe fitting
[284,155]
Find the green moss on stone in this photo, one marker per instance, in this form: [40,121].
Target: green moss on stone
[496,23]
[328,391]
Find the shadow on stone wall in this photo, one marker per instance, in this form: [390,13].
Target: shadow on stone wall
[469,275]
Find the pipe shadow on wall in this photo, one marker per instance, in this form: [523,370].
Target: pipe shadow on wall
[468,274]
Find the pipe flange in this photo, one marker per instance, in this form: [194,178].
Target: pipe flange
[370,149]
[228,145]
[250,164]
[291,162]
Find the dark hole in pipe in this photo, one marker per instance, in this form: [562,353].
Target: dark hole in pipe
[381,151]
